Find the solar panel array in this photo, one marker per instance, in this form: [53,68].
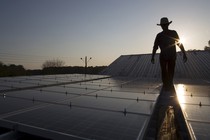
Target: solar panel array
[78,106]
[95,106]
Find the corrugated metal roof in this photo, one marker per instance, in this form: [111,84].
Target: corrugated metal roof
[197,66]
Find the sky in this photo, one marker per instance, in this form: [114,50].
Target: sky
[33,31]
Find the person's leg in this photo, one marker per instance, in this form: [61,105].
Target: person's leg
[171,67]
[164,71]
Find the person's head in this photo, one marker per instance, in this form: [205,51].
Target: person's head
[164,27]
[164,23]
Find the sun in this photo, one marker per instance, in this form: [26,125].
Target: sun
[182,40]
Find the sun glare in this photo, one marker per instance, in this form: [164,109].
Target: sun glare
[182,40]
[180,90]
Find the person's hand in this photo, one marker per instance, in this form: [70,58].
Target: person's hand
[153,61]
[184,58]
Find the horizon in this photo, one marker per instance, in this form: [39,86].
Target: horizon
[95,65]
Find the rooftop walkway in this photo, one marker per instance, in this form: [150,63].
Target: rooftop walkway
[167,121]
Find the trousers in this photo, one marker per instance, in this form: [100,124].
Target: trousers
[167,71]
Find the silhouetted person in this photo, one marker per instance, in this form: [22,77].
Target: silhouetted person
[167,41]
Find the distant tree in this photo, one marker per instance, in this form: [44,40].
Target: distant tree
[1,64]
[53,63]
[207,48]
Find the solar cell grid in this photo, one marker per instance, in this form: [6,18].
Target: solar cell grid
[9,105]
[82,122]
[201,130]
[194,98]
[35,95]
[125,95]
[84,109]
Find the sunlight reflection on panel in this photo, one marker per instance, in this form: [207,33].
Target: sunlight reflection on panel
[180,91]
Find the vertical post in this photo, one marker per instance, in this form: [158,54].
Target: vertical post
[85,65]
[86,62]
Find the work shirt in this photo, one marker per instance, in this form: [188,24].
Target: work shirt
[166,41]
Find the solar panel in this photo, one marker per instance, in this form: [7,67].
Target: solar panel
[195,102]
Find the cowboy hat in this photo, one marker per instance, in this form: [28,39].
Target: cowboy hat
[163,21]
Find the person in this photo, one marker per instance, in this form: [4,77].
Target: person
[167,40]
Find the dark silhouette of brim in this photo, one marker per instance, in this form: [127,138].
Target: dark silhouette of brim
[165,23]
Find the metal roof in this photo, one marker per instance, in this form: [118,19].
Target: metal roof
[197,66]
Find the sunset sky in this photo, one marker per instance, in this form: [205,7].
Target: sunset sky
[33,31]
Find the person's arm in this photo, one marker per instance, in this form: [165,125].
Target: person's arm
[183,51]
[153,55]
[155,47]
[181,46]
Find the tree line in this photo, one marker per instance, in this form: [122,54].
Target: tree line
[11,70]
[19,70]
